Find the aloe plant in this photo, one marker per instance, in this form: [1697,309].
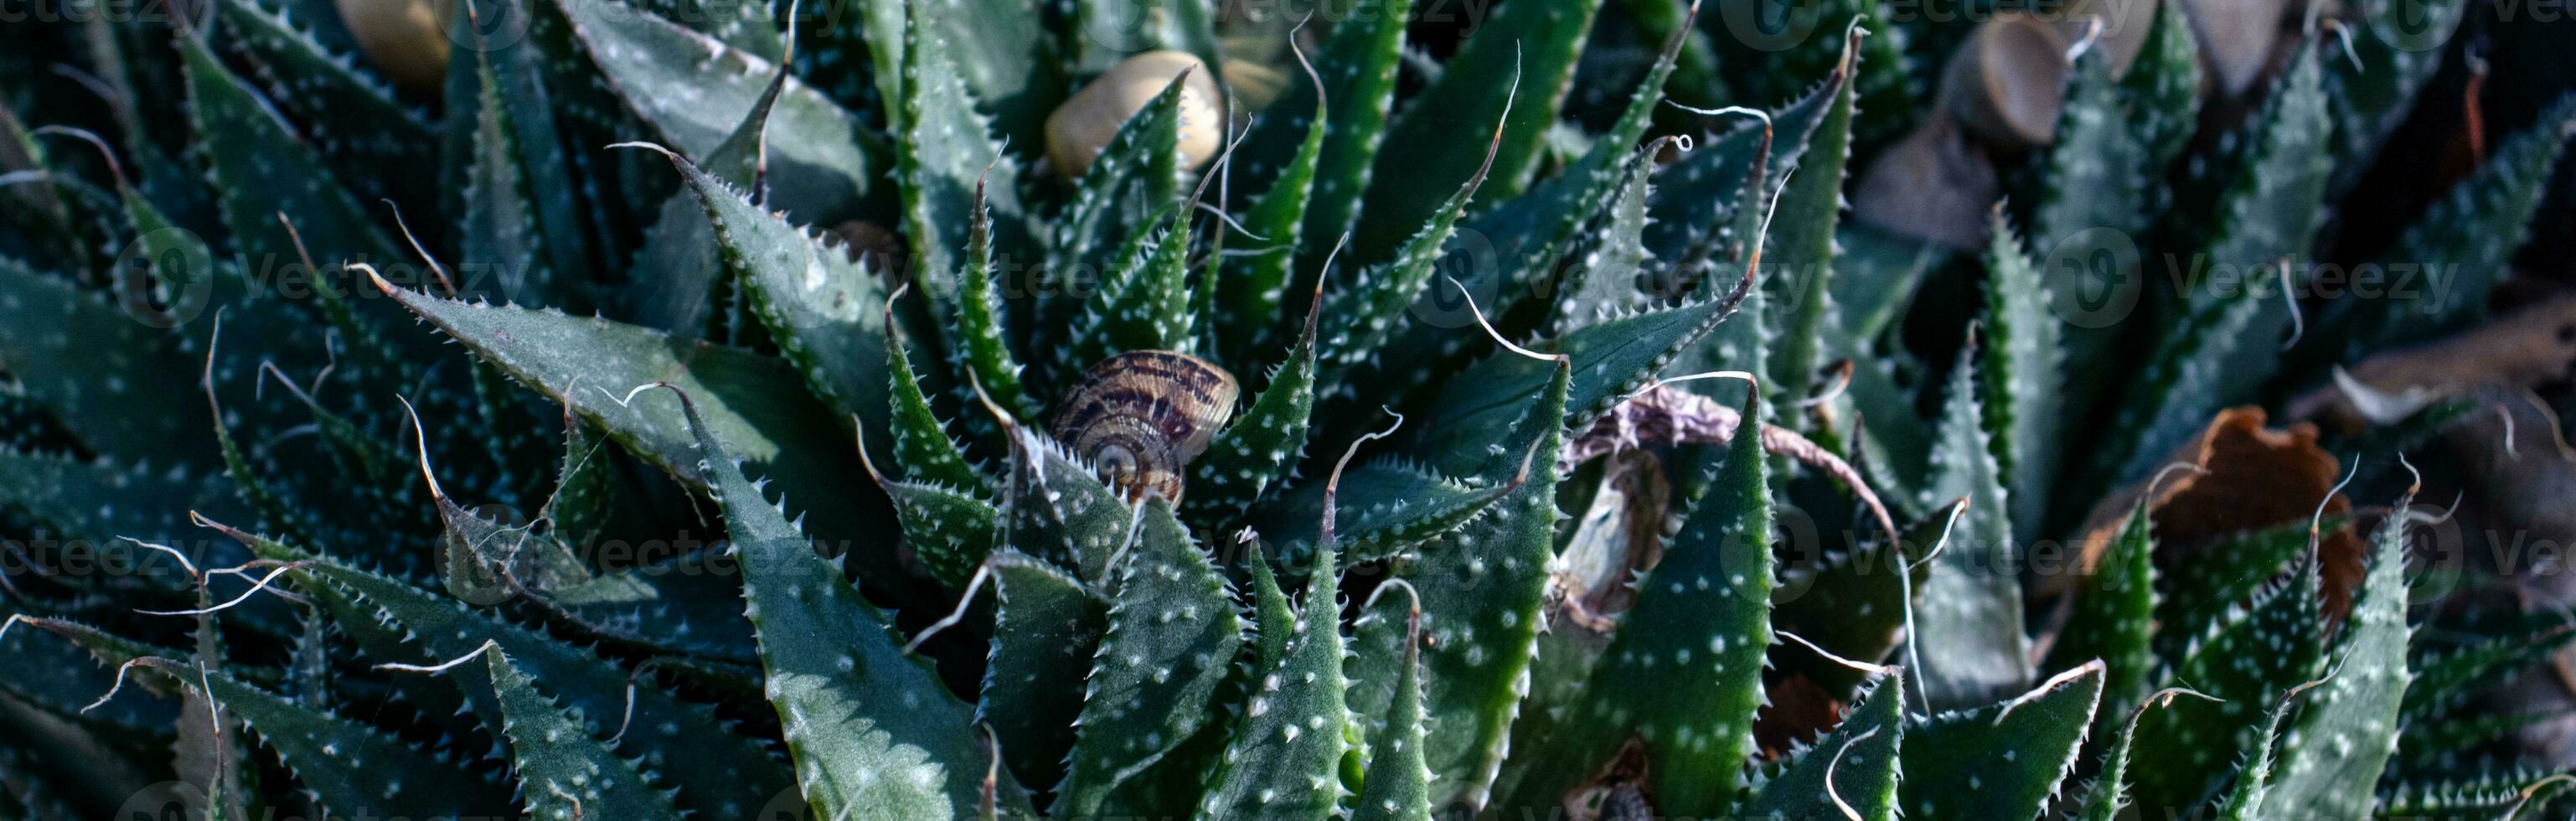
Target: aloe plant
[694,408]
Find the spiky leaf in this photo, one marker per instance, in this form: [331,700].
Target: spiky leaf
[873,731]
[1046,625]
[1683,673]
[1856,765]
[1171,643]
[2000,762]
[564,773]
[1968,622]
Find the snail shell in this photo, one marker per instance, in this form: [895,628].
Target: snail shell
[1083,126]
[406,39]
[1141,416]
[2008,82]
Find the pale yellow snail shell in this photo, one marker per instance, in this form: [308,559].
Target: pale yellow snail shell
[1084,125]
[405,39]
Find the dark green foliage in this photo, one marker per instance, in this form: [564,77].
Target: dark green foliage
[387,583]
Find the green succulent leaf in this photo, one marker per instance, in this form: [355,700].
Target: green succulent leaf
[1386,507]
[52,339]
[1610,360]
[1697,200]
[1046,627]
[2374,90]
[383,147]
[1144,302]
[78,672]
[1250,289]
[923,450]
[508,146]
[1856,765]
[2162,88]
[2114,616]
[2252,788]
[1536,45]
[245,144]
[1057,509]
[945,152]
[1609,283]
[874,732]
[758,405]
[564,773]
[1155,684]
[951,529]
[94,503]
[354,769]
[694,91]
[1358,69]
[1120,197]
[1526,236]
[1283,759]
[683,260]
[2332,753]
[1683,672]
[821,307]
[1260,448]
[2226,343]
[2502,796]
[1483,586]
[1968,623]
[1397,786]
[2443,681]
[2002,761]
[715,769]
[2025,380]
[2462,246]
[2107,797]
[2226,575]
[981,348]
[2246,658]
[500,206]
[1852,604]
[2097,205]
[1362,316]
[1801,249]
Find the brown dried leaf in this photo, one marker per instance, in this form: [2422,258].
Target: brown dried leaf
[2527,347]
[2242,476]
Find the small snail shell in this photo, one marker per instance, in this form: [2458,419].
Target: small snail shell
[1141,416]
[406,39]
[2008,82]
[1083,126]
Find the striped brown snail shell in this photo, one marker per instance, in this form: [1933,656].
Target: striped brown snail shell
[1141,416]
